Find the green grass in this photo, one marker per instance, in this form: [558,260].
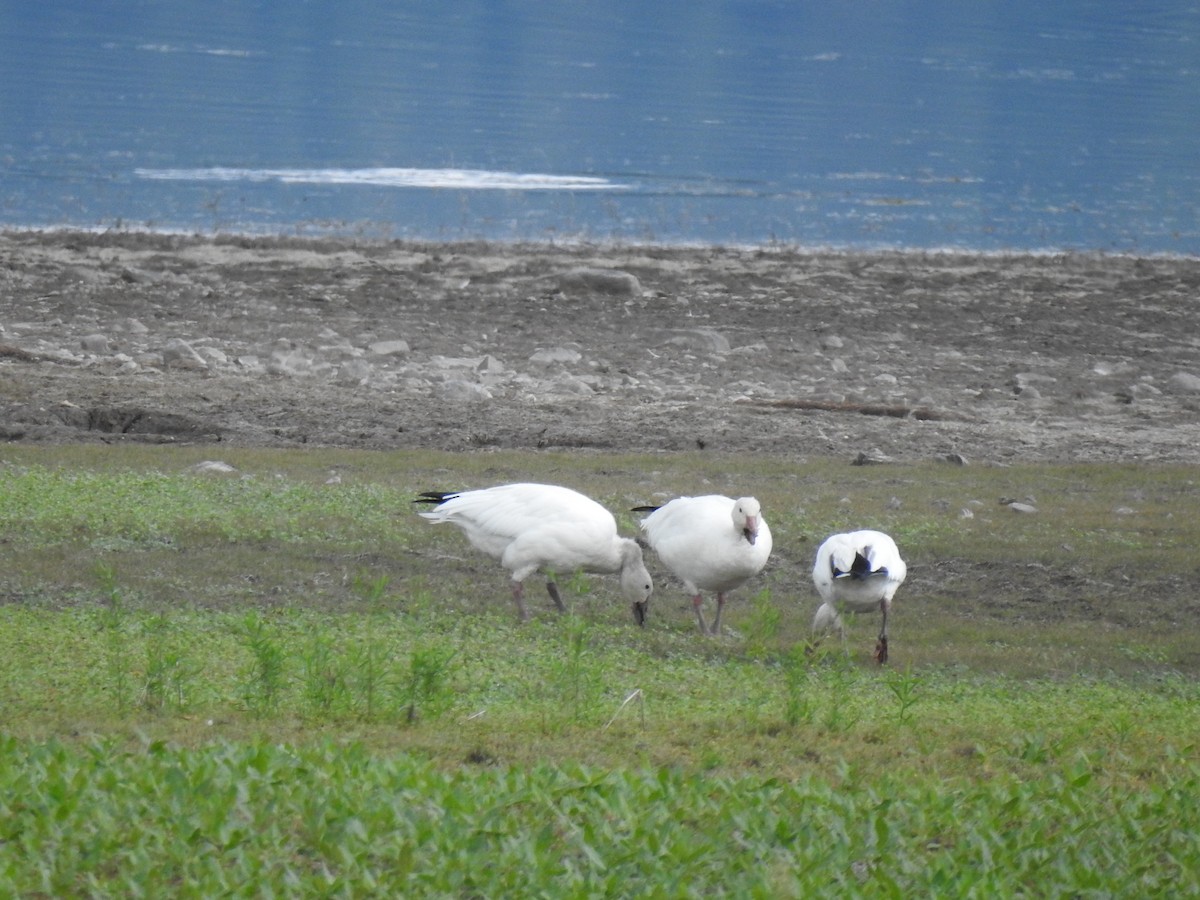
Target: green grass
[261,682]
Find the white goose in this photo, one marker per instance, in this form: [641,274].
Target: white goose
[859,571]
[711,543]
[547,528]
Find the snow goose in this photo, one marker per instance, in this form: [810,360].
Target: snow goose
[857,572]
[711,543]
[546,528]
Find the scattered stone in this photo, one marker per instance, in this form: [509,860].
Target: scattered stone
[832,342]
[133,326]
[1104,368]
[179,354]
[1185,382]
[567,384]
[706,340]
[213,355]
[456,362]
[126,365]
[602,281]
[354,371]
[293,361]
[556,355]
[464,391]
[389,348]
[1025,383]
[756,349]
[489,365]
[95,343]
[870,458]
[213,466]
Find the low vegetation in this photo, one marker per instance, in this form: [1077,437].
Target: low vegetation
[278,679]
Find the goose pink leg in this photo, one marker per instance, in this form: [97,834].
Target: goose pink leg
[716,626]
[696,601]
[881,645]
[519,598]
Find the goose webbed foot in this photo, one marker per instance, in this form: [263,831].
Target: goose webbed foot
[881,651]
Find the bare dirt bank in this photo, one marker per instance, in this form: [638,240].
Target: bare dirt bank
[465,346]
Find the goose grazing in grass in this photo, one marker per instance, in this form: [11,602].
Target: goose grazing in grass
[857,572]
[546,528]
[711,543]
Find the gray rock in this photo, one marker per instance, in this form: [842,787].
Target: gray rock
[489,365]
[179,354]
[354,371]
[464,391]
[707,340]
[293,361]
[213,355]
[133,326]
[213,467]
[456,362]
[602,281]
[556,355]
[1104,368]
[389,348]
[1185,383]
[567,384]
[95,343]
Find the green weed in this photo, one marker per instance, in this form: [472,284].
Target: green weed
[263,680]
[250,710]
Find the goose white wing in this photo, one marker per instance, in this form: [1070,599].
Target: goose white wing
[858,569]
[696,539]
[532,525]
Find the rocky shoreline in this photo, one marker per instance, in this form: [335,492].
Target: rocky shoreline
[901,356]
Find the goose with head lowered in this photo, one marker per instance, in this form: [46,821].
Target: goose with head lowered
[858,571]
[544,528]
[711,543]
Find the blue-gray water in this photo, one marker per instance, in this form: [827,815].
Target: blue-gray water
[1014,125]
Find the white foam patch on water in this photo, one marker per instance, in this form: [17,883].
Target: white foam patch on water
[461,179]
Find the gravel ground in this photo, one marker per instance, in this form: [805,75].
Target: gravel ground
[904,356]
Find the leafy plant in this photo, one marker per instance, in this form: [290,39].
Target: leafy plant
[367,677]
[798,705]
[763,624]
[577,675]
[263,680]
[325,679]
[906,688]
[424,690]
[372,590]
[169,670]
[116,639]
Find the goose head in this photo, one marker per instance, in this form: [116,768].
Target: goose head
[747,514]
[636,583]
